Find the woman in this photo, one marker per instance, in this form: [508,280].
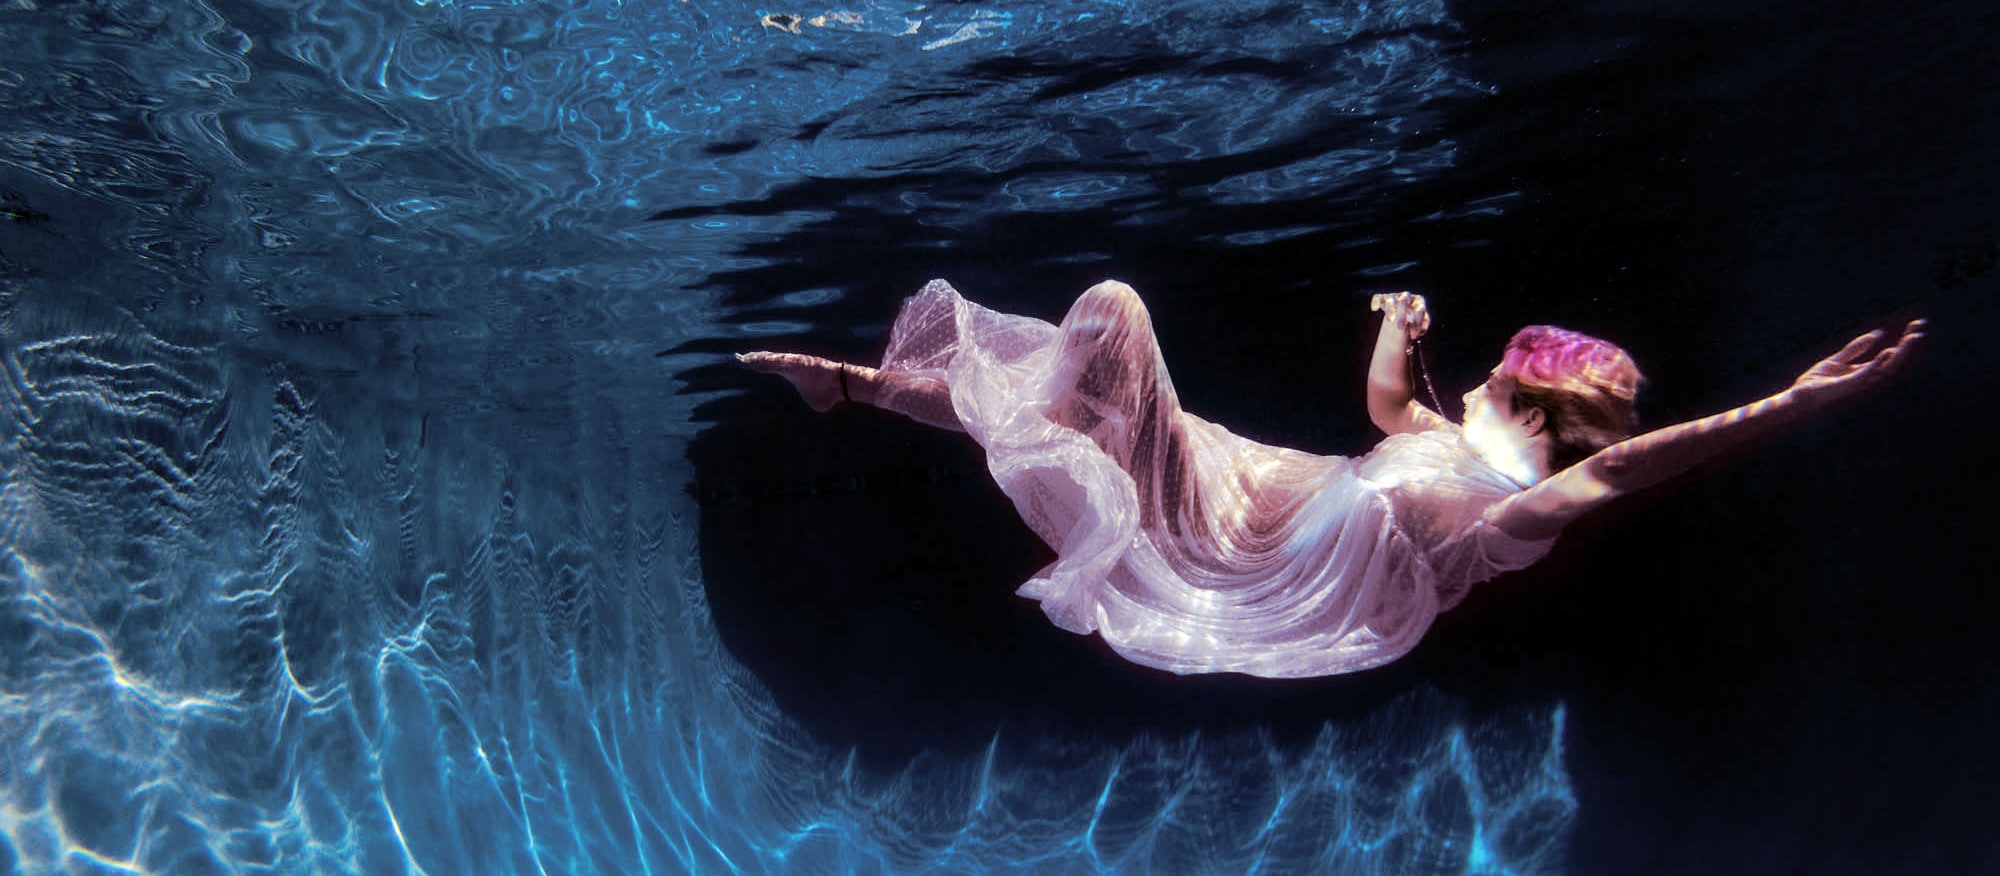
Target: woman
[1192,549]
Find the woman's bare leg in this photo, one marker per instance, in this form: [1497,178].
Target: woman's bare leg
[820,383]
[817,380]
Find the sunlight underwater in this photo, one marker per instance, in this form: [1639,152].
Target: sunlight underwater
[344,522]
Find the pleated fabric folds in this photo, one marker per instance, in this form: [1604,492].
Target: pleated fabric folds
[1187,547]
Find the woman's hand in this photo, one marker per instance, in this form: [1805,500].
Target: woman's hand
[1392,404]
[1405,311]
[1864,362]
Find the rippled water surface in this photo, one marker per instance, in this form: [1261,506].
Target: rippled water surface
[356,358]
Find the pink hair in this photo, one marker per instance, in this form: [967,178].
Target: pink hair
[1584,385]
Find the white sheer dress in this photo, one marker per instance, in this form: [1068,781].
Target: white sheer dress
[1189,548]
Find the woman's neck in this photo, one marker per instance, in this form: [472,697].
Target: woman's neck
[1524,462]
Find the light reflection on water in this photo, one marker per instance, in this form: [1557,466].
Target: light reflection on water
[344,513]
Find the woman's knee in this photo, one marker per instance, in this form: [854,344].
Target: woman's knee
[1107,305]
[1114,294]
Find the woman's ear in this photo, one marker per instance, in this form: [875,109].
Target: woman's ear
[1536,420]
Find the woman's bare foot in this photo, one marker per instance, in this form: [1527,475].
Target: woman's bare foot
[816,379]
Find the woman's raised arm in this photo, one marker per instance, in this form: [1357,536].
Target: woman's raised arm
[1392,400]
[1644,460]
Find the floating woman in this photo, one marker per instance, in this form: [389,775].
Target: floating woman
[1192,549]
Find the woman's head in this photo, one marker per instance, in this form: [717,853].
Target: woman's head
[1583,386]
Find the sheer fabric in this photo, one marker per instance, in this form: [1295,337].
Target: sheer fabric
[1187,547]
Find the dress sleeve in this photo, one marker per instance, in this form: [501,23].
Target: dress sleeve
[1481,552]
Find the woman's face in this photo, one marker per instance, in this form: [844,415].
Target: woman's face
[1490,405]
[1500,433]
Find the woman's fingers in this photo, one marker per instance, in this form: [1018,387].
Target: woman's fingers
[1857,348]
[1893,357]
[1870,353]
[1405,310]
[1867,358]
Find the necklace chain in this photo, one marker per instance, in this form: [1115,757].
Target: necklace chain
[1423,369]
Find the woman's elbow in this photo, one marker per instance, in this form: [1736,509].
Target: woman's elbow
[1617,472]
[1572,496]
[1391,421]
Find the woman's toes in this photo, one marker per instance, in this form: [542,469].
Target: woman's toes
[767,362]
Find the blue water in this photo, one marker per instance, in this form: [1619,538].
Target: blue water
[376,494]
[347,522]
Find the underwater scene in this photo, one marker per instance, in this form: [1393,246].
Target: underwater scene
[378,493]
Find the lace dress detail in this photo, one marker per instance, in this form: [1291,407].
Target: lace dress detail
[1187,547]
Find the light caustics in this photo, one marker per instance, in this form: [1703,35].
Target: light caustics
[343,519]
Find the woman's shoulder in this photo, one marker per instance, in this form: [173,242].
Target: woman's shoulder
[1445,438]
[1441,454]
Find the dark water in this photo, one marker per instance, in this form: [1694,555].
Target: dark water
[377,497]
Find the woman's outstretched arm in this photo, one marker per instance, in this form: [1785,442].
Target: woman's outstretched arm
[1642,461]
[1392,400]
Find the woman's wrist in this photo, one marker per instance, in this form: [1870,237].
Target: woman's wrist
[1790,400]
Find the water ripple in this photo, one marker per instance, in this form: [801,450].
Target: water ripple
[344,521]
